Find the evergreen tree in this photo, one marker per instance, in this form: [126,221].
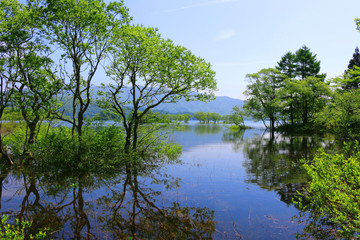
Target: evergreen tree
[355,61]
[352,74]
[287,65]
[306,64]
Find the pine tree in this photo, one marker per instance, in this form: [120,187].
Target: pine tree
[306,64]
[287,65]
[352,74]
[355,61]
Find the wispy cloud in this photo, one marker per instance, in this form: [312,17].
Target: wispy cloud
[204,4]
[225,34]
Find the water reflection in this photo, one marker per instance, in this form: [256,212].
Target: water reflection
[205,129]
[236,138]
[274,162]
[115,206]
[135,210]
[233,178]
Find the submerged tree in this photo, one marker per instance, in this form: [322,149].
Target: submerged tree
[8,70]
[302,72]
[148,70]
[81,30]
[237,116]
[262,91]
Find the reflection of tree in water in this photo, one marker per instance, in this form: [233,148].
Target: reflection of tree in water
[274,163]
[41,213]
[203,129]
[234,137]
[124,207]
[135,211]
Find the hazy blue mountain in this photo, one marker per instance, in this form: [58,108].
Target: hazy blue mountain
[221,105]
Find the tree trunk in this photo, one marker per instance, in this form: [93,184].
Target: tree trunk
[32,134]
[4,155]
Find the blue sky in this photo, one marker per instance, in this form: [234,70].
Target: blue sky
[241,36]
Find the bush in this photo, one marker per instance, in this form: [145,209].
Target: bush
[333,195]
[17,231]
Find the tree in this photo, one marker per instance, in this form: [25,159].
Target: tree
[262,92]
[299,66]
[8,70]
[351,78]
[307,64]
[81,29]
[237,117]
[287,65]
[35,83]
[309,97]
[156,71]
[215,117]
[201,116]
[186,117]
[342,114]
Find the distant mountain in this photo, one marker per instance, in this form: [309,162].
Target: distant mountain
[222,105]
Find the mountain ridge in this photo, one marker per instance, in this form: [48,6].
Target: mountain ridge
[221,105]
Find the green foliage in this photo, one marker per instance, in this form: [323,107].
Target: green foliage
[300,65]
[156,71]
[201,116]
[309,96]
[351,79]
[101,149]
[342,114]
[287,65]
[16,140]
[17,231]
[262,92]
[333,193]
[306,64]
[237,117]
[11,114]
[82,35]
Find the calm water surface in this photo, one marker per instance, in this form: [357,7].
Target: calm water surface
[229,185]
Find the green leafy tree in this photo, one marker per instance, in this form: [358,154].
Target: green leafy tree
[81,30]
[215,117]
[35,85]
[342,114]
[309,96]
[262,92]
[156,71]
[201,116]
[299,66]
[8,70]
[186,117]
[237,117]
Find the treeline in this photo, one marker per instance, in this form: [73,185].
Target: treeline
[50,53]
[295,96]
[203,117]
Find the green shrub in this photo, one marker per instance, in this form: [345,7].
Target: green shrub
[333,196]
[17,231]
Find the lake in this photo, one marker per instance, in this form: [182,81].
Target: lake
[228,185]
